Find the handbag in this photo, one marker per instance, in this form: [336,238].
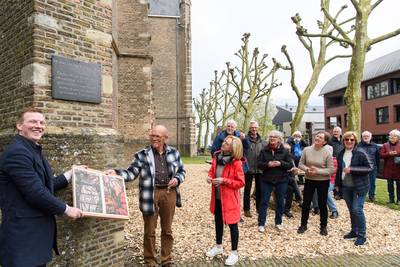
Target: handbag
[396,160]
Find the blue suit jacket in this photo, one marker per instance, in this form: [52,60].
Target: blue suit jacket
[28,227]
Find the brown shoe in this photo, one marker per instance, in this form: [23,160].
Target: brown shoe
[247,213]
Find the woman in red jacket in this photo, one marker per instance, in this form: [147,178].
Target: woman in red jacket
[227,177]
[391,170]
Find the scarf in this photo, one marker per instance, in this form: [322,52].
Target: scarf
[224,159]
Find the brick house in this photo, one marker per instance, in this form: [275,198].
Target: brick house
[380,97]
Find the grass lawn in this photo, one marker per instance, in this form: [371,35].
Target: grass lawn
[196,159]
[382,196]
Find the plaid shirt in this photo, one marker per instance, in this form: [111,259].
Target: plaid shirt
[143,167]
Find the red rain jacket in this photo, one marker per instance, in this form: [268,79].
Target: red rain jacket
[230,197]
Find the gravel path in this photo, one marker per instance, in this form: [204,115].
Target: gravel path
[194,229]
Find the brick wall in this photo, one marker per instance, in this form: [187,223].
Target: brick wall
[187,124]
[74,29]
[170,47]
[131,44]
[117,35]
[16,52]
[164,42]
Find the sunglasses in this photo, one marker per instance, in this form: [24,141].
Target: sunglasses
[348,139]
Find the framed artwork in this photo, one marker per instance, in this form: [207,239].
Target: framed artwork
[99,195]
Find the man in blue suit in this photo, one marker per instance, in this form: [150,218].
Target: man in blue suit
[28,205]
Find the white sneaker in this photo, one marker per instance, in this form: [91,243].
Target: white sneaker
[279,227]
[232,259]
[261,229]
[214,251]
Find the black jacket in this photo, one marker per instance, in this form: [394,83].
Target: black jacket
[336,145]
[28,205]
[360,167]
[253,151]
[275,174]
[372,151]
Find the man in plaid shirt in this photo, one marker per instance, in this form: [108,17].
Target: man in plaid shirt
[160,171]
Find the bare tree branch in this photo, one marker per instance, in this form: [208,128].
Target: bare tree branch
[346,21]
[356,5]
[346,38]
[340,40]
[375,5]
[292,72]
[385,37]
[340,11]
[337,56]
[300,29]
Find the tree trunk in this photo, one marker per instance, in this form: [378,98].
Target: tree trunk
[353,91]
[199,135]
[247,115]
[206,135]
[301,106]
[305,96]
[266,115]
[312,83]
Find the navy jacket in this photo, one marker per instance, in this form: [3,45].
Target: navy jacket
[360,167]
[372,151]
[28,226]
[219,139]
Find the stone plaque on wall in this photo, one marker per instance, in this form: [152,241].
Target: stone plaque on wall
[75,80]
[167,8]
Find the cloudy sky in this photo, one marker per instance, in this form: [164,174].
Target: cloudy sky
[218,25]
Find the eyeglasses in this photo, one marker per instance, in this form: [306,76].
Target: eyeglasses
[156,136]
[272,136]
[348,139]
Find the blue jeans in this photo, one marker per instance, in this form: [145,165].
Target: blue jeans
[372,179]
[266,190]
[355,204]
[330,201]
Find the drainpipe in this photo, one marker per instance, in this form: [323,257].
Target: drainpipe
[177,79]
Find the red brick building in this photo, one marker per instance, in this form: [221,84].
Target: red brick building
[380,97]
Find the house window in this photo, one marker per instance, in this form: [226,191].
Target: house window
[378,90]
[334,121]
[382,115]
[396,86]
[397,113]
[334,101]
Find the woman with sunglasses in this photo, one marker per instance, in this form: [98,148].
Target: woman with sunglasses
[317,163]
[227,177]
[352,178]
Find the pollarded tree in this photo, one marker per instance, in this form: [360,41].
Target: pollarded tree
[250,80]
[360,44]
[200,107]
[203,107]
[221,98]
[317,62]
